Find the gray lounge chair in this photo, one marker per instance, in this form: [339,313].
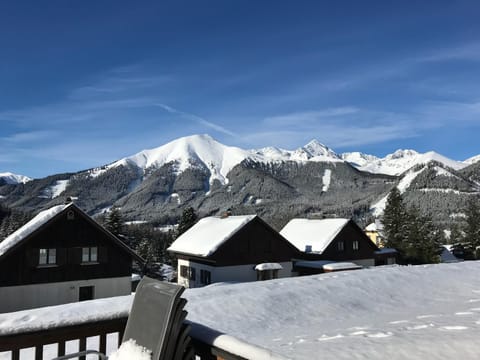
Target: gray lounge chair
[156,322]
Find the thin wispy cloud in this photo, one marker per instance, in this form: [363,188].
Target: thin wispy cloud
[347,127]
[197,119]
[337,132]
[309,117]
[468,51]
[26,137]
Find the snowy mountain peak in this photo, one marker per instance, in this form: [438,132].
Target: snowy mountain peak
[314,148]
[401,154]
[11,178]
[200,151]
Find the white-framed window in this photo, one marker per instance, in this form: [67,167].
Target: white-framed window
[47,256]
[340,246]
[89,254]
[355,244]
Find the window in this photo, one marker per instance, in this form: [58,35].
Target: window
[205,277]
[355,244]
[89,254]
[187,272]
[47,256]
[184,271]
[85,293]
[340,246]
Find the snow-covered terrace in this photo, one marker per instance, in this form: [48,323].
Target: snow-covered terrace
[397,312]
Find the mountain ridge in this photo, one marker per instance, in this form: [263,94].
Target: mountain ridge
[157,184]
[205,152]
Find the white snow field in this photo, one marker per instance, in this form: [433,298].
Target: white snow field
[395,312]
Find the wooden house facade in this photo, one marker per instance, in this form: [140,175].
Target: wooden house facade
[330,240]
[232,249]
[62,255]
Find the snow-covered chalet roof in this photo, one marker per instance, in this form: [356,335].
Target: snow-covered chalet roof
[268,266]
[205,237]
[316,233]
[371,227]
[34,224]
[338,266]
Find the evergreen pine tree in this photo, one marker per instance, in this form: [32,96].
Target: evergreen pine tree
[472,226]
[456,235]
[394,222]
[188,219]
[114,221]
[423,239]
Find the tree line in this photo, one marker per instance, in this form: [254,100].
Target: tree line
[418,241]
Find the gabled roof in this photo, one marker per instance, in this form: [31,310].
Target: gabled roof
[206,236]
[45,217]
[317,233]
[31,226]
[375,226]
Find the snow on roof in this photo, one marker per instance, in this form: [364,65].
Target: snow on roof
[371,227]
[268,266]
[327,265]
[204,238]
[27,229]
[337,266]
[317,233]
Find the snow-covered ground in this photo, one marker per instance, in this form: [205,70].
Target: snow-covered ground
[326,179]
[379,207]
[415,312]
[398,312]
[55,190]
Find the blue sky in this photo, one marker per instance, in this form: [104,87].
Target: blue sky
[84,83]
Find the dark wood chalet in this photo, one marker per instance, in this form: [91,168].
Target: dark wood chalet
[231,248]
[324,241]
[62,255]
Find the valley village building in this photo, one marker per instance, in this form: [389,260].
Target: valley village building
[232,249]
[324,242]
[62,255]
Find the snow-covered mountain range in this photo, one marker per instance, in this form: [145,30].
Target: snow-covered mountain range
[219,159]
[198,171]
[204,152]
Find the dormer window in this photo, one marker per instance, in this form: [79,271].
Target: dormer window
[47,256]
[90,254]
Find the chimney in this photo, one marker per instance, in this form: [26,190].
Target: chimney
[226,214]
[68,200]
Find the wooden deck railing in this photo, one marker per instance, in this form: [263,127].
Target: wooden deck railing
[60,335]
